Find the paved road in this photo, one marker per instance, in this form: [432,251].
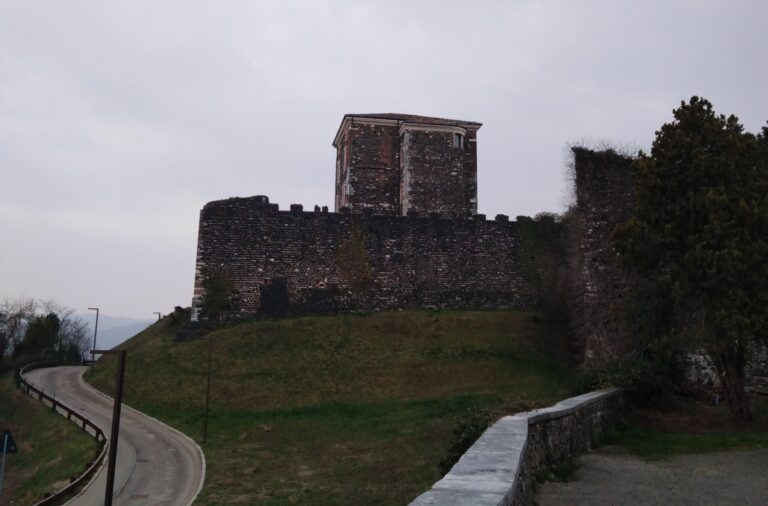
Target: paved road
[155,464]
[611,477]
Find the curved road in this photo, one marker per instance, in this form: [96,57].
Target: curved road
[155,463]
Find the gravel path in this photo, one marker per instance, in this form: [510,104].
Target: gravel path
[611,477]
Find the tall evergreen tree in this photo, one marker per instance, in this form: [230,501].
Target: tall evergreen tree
[700,234]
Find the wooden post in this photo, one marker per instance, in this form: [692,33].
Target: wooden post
[207,391]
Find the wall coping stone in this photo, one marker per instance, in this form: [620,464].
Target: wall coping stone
[488,473]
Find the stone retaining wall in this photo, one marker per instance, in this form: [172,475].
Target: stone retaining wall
[700,370]
[500,468]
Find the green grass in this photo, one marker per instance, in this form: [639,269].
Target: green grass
[350,409]
[652,443]
[51,449]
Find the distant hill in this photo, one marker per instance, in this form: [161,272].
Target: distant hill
[113,330]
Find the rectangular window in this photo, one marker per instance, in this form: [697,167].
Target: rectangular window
[458,140]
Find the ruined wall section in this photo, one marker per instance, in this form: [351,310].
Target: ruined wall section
[368,158]
[415,261]
[437,175]
[605,197]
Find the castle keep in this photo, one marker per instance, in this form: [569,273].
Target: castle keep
[405,234]
[394,163]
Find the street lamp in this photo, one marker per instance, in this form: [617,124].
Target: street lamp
[95,328]
[158,315]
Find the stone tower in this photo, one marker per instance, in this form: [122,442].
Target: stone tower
[394,163]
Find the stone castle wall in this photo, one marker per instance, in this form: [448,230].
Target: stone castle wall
[605,197]
[368,161]
[413,261]
[436,175]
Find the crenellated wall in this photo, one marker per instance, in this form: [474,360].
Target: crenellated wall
[345,261]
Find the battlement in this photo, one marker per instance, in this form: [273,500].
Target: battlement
[328,261]
[260,204]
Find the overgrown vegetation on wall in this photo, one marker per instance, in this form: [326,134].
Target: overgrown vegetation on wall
[699,239]
[544,242]
[218,294]
[353,259]
[671,254]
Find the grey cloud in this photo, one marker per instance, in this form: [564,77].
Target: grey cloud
[118,121]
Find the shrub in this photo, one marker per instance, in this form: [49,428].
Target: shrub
[646,383]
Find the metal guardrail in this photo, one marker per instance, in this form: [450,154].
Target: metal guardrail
[85,424]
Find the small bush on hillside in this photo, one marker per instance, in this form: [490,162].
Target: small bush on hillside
[645,382]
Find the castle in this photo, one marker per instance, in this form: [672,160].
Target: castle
[405,234]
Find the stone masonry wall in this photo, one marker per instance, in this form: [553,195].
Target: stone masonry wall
[502,465]
[369,169]
[604,198]
[415,261]
[436,175]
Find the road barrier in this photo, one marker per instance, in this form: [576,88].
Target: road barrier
[84,423]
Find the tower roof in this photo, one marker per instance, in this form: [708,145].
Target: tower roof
[405,118]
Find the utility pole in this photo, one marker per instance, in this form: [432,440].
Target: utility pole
[9,446]
[95,328]
[115,421]
[6,435]
[207,391]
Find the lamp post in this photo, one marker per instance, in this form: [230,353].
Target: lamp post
[158,315]
[115,421]
[95,328]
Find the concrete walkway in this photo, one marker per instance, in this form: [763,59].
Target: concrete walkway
[611,477]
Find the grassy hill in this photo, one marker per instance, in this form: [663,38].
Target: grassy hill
[350,409]
[51,449]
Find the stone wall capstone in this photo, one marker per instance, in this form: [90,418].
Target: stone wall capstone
[502,465]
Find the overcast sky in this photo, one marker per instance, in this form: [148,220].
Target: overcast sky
[120,120]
